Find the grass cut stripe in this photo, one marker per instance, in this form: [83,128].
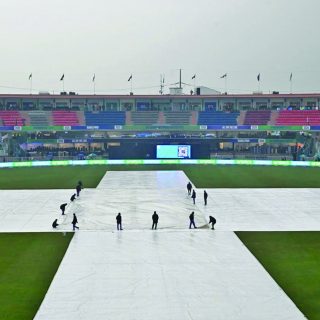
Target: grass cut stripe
[28,264]
[293,260]
[203,176]
[51,178]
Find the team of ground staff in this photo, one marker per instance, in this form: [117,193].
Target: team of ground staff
[155,216]
[63,207]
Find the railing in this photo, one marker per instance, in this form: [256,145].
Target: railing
[251,156]
[42,158]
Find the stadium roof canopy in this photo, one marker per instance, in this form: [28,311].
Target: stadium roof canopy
[221,96]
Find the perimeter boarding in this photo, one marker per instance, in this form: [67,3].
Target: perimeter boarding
[155,216]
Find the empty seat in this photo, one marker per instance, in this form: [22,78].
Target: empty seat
[65,118]
[257,117]
[144,117]
[178,117]
[217,118]
[11,118]
[38,118]
[298,117]
[105,118]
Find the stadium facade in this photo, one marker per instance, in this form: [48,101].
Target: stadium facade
[220,102]
[135,126]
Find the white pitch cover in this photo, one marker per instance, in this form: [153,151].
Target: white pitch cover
[172,273]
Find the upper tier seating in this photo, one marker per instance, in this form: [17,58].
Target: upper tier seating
[105,118]
[179,117]
[39,118]
[65,118]
[11,118]
[257,117]
[217,118]
[298,117]
[146,117]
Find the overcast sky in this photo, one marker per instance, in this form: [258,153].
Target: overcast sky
[113,39]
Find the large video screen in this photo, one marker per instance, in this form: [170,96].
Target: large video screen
[173,152]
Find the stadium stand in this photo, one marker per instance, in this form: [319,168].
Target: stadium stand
[11,118]
[257,117]
[298,117]
[105,118]
[180,117]
[65,118]
[217,118]
[38,118]
[146,117]
[95,118]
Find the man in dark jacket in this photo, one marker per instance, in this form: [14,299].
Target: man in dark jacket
[73,197]
[189,187]
[55,224]
[78,189]
[63,208]
[155,219]
[74,222]
[194,197]
[213,221]
[205,196]
[119,221]
[191,218]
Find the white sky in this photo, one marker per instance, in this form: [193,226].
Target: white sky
[145,37]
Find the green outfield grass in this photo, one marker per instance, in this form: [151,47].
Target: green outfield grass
[28,263]
[203,176]
[51,177]
[293,260]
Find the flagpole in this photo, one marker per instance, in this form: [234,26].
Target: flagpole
[62,79]
[130,79]
[225,84]
[31,85]
[258,79]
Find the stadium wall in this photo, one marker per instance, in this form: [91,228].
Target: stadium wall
[159,162]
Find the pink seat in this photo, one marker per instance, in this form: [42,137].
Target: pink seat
[298,117]
[11,118]
[65,118]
